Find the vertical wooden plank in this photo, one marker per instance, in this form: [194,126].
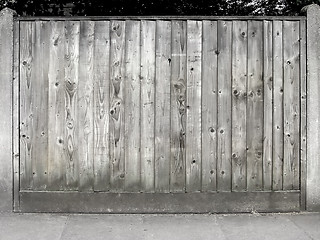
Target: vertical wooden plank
[162,106]
[255,106]
[117,97]
[224,105]
[277,145]
[39,103]
[26,111]
[193,124]
[291,78]
[15,115]
[101,105]
[303,113]
[239,104]
[85,106]
[178,105]
[268,89]
[132,107]
[148,58]
[57,143]
[209,106]
[72,36]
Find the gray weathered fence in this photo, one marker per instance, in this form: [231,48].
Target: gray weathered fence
[181,114]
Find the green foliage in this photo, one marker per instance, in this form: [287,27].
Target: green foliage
[157,7]
[35,7]
[293,7]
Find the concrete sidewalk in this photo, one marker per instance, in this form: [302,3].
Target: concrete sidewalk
[291,226]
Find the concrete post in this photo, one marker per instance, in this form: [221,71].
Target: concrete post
[313,108]
[6,64]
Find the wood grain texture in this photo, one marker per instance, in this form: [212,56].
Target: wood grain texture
[162,106]
[57,144]
[132,107]
[193,124]
[15,115]
[117,97]
[72,41]
[26,111]
[178,106]
[148,61]
[255,106]
[224,105]
[39,103]
[85,106]
[291,78]
[101,77]
[268,111]
[277,155]
[239,105]
[303,114]
[209,94]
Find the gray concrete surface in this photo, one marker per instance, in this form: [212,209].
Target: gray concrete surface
[313,108]
[293,226]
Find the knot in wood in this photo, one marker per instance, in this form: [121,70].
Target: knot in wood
[211,129]
[236,92]
[259,92]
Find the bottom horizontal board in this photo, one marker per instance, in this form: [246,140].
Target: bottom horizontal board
[225,202]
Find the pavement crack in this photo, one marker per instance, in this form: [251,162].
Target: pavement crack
[299,227]
[64,227]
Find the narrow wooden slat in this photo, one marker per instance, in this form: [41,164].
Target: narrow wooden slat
[291,62]
[239,100]
[132,107]
[158,17]
[193,124]
[57,143]
[209,106]
[224,106]
[101,105]
[148,44]
[26,111]
[255,106]
[268,121]
[303,113]
[85,107]
[117,97]
[72,36]
[178,105]
[15,116]
[277,151]
[162,106]
[39,103]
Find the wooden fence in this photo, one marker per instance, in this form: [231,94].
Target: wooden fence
[161,106]
[160,114]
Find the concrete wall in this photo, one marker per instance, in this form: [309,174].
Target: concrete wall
[313,108]
[6,61]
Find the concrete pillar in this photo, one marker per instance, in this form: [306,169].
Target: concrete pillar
[313,108]
[6,78]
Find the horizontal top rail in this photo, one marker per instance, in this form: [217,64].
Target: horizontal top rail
[102,18]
